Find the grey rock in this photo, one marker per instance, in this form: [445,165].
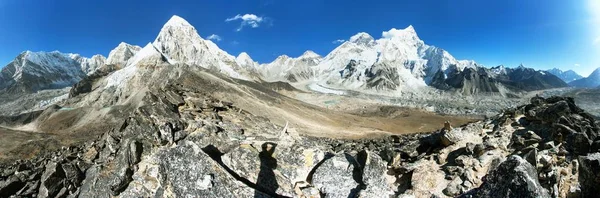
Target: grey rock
[454,187]
[374,176]
[589,175]
[10,186]
[185,168]
[336,177]
[448,138]
[52,180]
[514,177]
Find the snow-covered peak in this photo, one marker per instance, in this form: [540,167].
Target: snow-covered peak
[121,54]
[31,71]
[177,21]
[362,38]
[408,33]
[180,42]
[309,54]
[243,59]
[243,56]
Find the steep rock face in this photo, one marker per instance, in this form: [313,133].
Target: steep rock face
[593,80]
[480,79]
[567,76]
[180,42]
[528,79]
[121,54]
[289,69]
[469,81]
[33,71]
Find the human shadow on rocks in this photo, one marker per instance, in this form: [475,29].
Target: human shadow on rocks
[266,176]
[260,191]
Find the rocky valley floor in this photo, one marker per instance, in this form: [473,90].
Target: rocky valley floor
[204,135]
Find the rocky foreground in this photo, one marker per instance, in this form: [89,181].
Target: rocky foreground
[181,143]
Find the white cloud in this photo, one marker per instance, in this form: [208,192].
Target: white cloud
[597,41]
[214,37]
[338,41]
[576,65]
[235,42]
[247,20]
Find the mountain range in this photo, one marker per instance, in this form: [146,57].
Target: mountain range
[179,117]
[398,61]
[592,81]
[567,76]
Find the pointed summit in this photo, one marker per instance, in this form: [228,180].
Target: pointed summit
[243,55]
[309,54]
[244,60]
[177,21]
[361,38]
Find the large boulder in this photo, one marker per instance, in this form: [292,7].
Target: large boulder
[514,177]
[190,172]
[337,176]
[260,167]
[589,175]
[52,180]
[375,176]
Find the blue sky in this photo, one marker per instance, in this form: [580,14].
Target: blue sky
[538,33]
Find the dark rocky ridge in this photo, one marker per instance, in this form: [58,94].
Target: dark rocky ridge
[481,80]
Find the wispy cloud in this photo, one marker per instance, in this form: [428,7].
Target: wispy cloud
[576,65]
[338,41]
[214,37]
[247,20]
[235,43]
[597,41]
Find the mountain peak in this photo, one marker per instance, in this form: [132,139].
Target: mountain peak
[309,54]
[361,38]
[406,33]
[243,55]
[243,58]
[177,21]
[595,73]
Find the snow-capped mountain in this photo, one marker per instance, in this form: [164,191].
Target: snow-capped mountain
[398,60]
[593,80]
[121,54]
[567,76]
[32,71]
[180,42]
[289,69]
